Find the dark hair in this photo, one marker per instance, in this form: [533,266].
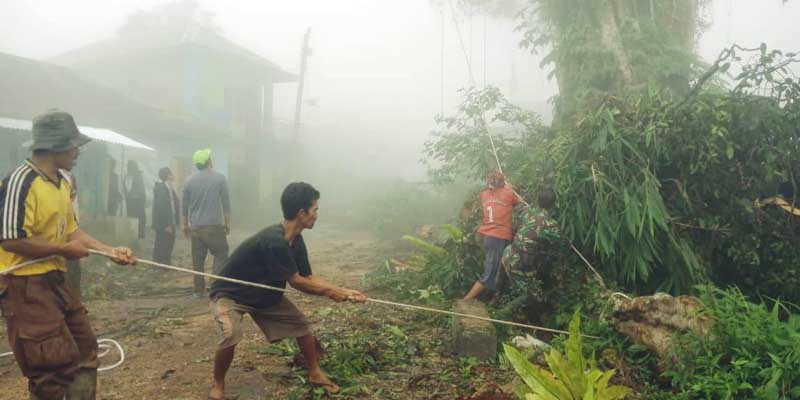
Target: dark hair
[297,196]
[203,166]
[164,173]
[495,179]
[547,198]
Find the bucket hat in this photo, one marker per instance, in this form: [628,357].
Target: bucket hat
[56,131]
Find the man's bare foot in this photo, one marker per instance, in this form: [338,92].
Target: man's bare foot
[318,378]
[217,393]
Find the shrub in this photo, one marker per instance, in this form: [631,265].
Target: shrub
[751,352]
[569,376]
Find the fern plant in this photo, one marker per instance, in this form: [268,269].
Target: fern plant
[570,376]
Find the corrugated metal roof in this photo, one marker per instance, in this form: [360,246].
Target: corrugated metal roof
[103,135]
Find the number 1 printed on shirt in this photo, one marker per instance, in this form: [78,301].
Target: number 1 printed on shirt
[491,214]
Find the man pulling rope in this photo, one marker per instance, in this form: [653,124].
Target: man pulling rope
[48,328]
[273,257]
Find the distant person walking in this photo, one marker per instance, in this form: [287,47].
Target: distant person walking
[114,196]
[206,216]
[498,202]
[166,216]
[135,196]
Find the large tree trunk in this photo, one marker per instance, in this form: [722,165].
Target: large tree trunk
[610,15]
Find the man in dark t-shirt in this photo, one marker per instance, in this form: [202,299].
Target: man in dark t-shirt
[273,257]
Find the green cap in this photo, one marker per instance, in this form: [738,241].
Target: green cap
[56,131]
[201,157]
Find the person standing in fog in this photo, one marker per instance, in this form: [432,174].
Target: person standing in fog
[166,216]
[135,196]
[114,196]
[206,216]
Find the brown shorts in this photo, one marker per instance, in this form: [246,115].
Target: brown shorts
[48,330]
[280,321]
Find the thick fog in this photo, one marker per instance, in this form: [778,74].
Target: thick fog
[379,72]
[374,79]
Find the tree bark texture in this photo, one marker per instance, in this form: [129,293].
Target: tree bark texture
[654,321]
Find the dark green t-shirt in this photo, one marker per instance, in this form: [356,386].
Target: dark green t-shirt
[265,258]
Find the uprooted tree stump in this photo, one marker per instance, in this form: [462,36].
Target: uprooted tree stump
[473,337]
[654,321]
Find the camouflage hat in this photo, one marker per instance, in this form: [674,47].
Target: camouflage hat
[56,131]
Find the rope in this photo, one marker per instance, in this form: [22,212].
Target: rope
[106,345]
[472,82]
[25,264]
[369,299]
[103,344]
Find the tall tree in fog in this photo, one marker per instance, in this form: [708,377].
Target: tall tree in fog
[614,44]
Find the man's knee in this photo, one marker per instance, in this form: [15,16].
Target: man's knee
[232,334]
[229,325]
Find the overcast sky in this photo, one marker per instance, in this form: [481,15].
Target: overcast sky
[375,71]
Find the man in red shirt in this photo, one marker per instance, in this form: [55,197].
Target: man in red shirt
[498,202]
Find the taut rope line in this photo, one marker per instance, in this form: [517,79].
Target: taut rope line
[369,299]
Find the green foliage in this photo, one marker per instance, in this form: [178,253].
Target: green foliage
[605,47]
[461,149]
[447,270]
[570,376]
[659,192]
[752,351]
[636,366]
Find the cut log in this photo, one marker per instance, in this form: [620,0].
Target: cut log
[654,321]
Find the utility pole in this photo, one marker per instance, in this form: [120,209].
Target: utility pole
[304,53]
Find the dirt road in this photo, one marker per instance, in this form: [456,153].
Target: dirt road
[169,337]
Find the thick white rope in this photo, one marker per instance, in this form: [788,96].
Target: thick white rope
[369,299]
[25,264]
[105,345]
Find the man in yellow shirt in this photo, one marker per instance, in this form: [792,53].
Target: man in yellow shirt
[48,327]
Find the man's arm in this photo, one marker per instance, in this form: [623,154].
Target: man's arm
[36,247]
[320,287]
[122,255]
[517,198]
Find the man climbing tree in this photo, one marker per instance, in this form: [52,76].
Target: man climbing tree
[274,256]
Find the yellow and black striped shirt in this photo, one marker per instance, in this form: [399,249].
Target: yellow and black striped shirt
[32,205]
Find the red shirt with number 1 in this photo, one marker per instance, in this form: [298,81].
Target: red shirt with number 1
[498,207]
